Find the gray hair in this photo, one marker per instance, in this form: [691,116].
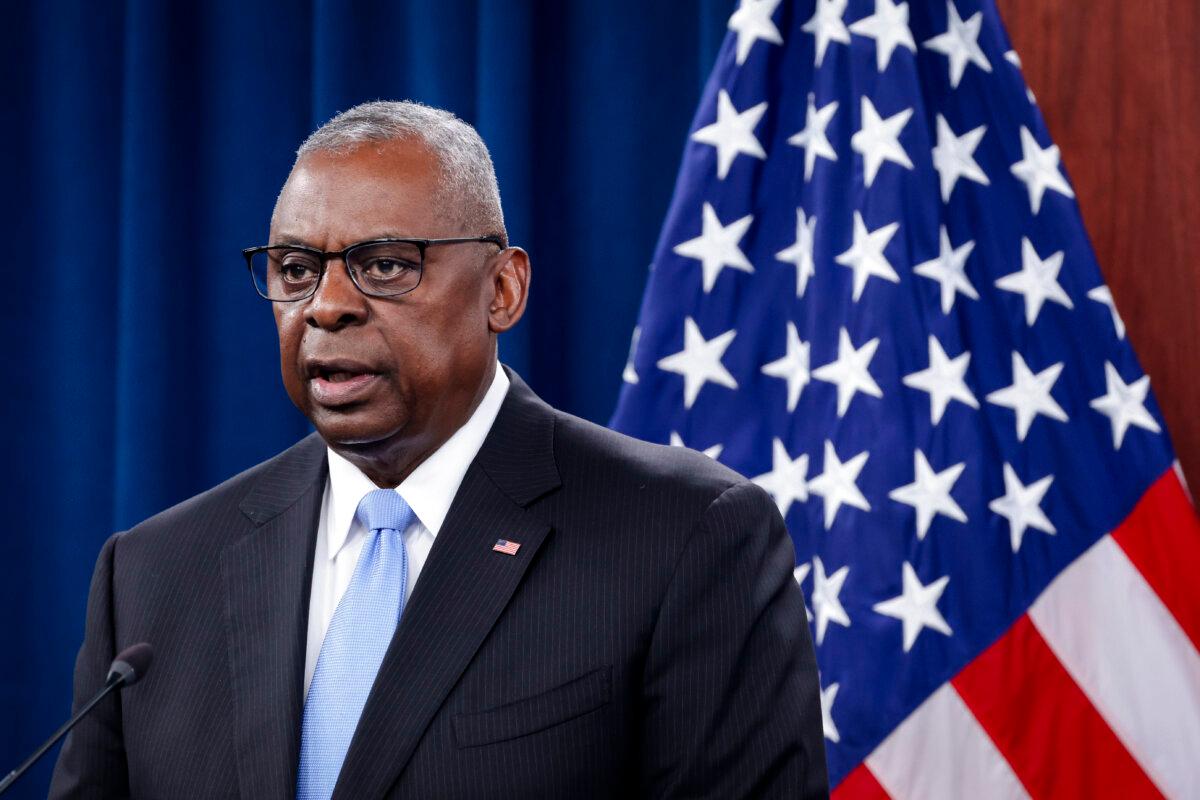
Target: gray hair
[468,177]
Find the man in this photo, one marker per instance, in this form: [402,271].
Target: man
[451,590]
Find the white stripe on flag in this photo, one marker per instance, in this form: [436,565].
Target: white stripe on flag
[1133,661]
[941,751]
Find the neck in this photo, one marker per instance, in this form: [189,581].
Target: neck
[389,461]
[387,468]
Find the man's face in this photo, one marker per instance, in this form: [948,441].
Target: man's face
[383,375]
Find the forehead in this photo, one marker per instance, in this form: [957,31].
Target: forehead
[376,190]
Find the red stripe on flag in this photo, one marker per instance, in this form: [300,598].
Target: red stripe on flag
[860,785]
[1043,724]
[1162,539]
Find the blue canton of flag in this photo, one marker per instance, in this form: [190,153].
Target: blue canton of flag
[873,293]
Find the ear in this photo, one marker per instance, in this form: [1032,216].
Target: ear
[510,281]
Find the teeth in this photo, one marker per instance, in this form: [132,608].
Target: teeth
[339,376]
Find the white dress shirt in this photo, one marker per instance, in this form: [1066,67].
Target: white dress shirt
[429,490]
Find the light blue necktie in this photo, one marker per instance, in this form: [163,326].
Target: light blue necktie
[358,636]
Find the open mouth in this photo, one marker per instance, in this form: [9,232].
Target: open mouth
[340,376]
[334,384]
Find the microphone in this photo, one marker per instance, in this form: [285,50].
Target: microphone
[127,668]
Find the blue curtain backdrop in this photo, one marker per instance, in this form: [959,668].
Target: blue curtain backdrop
[143,145]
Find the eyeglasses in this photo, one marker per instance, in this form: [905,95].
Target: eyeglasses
[285,273]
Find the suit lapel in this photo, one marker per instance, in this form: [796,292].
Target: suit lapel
[268,575]
[463,589]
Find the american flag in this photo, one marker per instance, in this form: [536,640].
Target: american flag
[873,293]
[506,547]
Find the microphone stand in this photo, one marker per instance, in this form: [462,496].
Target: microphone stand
[115,681]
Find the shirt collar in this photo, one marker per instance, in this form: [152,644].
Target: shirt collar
[430,488]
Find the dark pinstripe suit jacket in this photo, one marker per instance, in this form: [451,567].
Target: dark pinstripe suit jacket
[646,640]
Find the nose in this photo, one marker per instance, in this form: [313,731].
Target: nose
[337,302]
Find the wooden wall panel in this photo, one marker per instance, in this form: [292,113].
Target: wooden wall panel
[1119,85]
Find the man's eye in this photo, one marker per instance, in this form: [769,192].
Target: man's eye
[385,268]
[297,272]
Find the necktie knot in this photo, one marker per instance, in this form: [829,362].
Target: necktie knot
[384,509]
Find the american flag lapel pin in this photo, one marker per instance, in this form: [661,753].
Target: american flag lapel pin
[506,547]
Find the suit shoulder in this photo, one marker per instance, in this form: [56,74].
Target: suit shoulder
[653,500]
[223,501]
[627,464]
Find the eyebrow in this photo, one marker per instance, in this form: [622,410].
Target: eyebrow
[295,241]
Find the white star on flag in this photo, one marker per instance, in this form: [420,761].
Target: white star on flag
[751,22]
[943,379]
[1036,281]
[916,607]
[960,43]
[800,254]
[826,605]
[1022,506]
[828,695]
[826,24]
[888,26]
[1039,170]
[699,361]
[713,452]
[629,374]
[813,139]
[878,140]
[1014,59]
[792,367]
[954,157]
[837,485]
[949,270]
[849,371]
[1102,295]
[787,481]
[865,256]
[1029,394]
[929,493]
[1124,404]
[717,246]
[800,573]
[732,133]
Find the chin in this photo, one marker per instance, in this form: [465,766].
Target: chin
[356,429]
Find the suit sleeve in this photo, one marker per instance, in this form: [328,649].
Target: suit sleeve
[732,698]
[92,762]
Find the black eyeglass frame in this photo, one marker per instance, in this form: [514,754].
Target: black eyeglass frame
[324,257]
